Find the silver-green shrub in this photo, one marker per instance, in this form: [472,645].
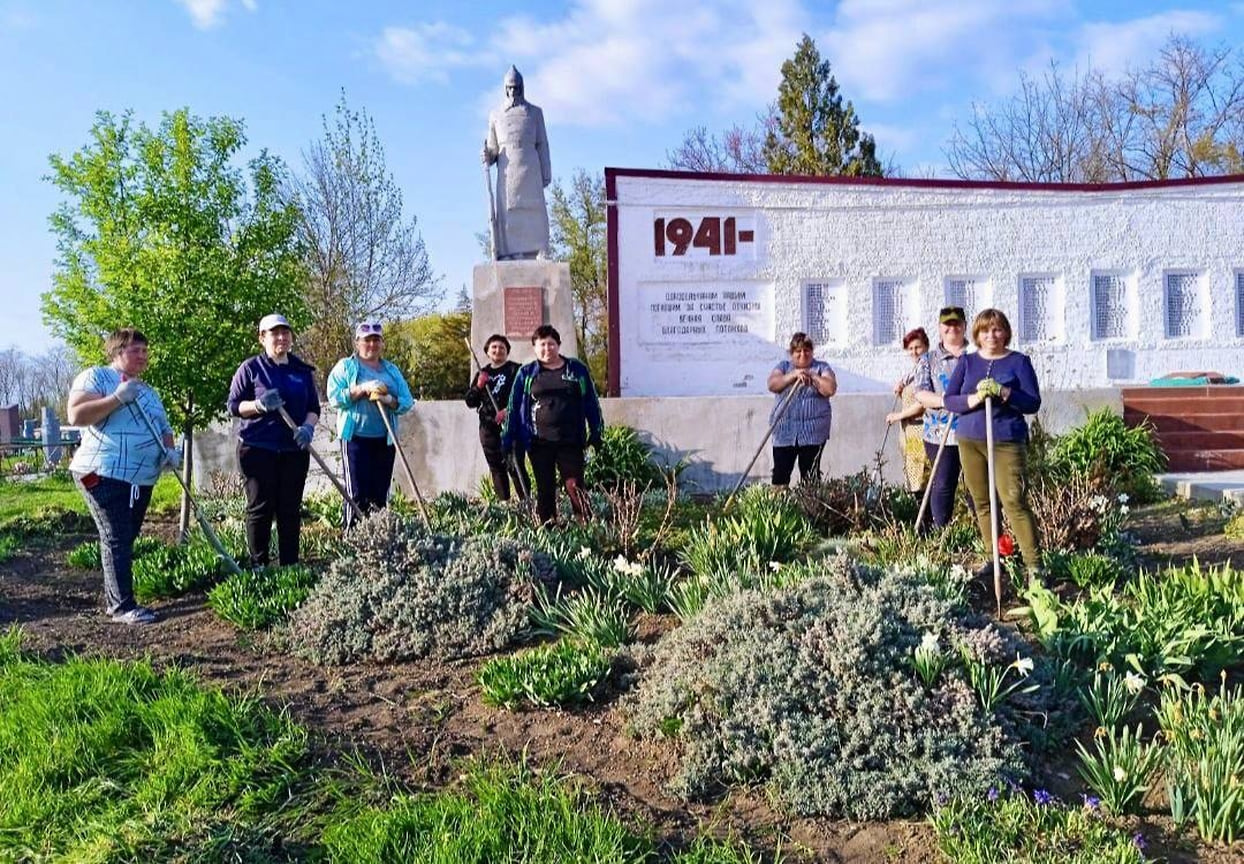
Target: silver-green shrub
[398,593]
[811,688]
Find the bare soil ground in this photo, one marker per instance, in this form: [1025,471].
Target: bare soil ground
[419,717]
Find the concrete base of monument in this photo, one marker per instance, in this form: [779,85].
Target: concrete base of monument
[516,297]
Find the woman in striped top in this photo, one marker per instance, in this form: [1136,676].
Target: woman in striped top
[803,429]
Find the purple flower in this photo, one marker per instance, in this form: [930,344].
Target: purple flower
[1138,840]
[1042,797]
[992,794]
[1092,802]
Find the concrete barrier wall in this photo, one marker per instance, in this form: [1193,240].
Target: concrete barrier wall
[715,435]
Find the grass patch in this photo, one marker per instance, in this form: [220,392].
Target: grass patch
[171,571]
[101,760]
[563,673]
[255,599]
[1010,826]
[8,547]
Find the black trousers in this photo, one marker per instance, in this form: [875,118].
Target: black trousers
[943,483]
[809,456]
[369,473]
[548,459]
[274,484]
[499,466]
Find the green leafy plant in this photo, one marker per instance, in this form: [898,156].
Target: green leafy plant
[1006,825]
[8,547]
[589,616]
[86,556]
[1205,774]
[254,599]
[1112,697]
[1093,570]
[563,673]
[624,456]
[171,571]
[990,680]
[929,659]
[1120,767]
[1188,621]
[1105,449]
[765,527]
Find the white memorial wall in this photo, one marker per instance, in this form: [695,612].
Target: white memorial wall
[710,274]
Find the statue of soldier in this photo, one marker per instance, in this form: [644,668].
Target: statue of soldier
[519,146]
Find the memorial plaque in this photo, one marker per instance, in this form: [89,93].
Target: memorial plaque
[524,310]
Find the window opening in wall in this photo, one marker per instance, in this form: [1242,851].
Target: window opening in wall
[1239,303]
[967,293]
[1037,304]
[824,312]
[890,311]
[1109,306]
[1183,304]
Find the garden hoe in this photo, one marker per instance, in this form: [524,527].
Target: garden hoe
[401,454]
[928,487]
[515,466]
[777,418]
[319,460]
[873,493]
[208,531]
[993,503]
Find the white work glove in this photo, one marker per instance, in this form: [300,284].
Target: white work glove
[127,391]
[173,457]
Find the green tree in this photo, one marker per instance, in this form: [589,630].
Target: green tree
[578,237]
[814,133]
[163,231]
[430,353]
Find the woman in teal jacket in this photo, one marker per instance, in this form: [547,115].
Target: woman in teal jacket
[358,386]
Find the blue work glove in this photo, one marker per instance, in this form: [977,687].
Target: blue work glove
[988,387]
[303,435]
[127,391]
[269,400]
[173,457]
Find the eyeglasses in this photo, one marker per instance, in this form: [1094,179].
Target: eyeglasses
[956,311]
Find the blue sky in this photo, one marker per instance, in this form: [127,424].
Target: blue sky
[620,81]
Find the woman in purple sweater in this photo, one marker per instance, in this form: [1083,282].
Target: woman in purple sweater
[1008,378]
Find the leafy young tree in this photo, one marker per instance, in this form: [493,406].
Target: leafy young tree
[430,353]
[578,237]
[363,259]
[814,133]
[162,231]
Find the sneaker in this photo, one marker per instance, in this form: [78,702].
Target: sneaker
[137,615]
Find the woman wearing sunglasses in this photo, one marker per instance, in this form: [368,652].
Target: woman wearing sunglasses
[361,386]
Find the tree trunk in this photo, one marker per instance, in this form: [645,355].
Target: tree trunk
[187,474]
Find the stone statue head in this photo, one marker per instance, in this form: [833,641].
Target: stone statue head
[513,88]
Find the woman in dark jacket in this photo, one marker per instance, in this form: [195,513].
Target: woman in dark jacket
[498,379]
[274,458]
[554,416]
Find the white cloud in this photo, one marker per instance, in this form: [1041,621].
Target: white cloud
[609,61]
[426,51]
[1116,47]
[886,50]
[207,14]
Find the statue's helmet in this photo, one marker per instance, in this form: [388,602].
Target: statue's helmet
[514,80]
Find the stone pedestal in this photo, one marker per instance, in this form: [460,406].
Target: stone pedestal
[514,298]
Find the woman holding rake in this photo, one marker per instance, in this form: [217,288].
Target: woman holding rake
[802,428]
[1001,383]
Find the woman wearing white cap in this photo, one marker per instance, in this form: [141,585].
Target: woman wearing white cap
[273,458]
[358,386]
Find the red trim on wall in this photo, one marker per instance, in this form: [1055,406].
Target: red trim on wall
[611,233]
[611,175]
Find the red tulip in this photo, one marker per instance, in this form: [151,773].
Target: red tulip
[1006,546]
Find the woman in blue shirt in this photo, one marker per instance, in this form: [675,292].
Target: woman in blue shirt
[1007,377]
[804,428]
[119,460]
[357,386]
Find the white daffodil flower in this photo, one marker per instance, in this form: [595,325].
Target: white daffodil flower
[1119,774]
[930,642]
[1023,665]
[1133,682]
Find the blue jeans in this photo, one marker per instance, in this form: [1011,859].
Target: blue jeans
[118,510]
